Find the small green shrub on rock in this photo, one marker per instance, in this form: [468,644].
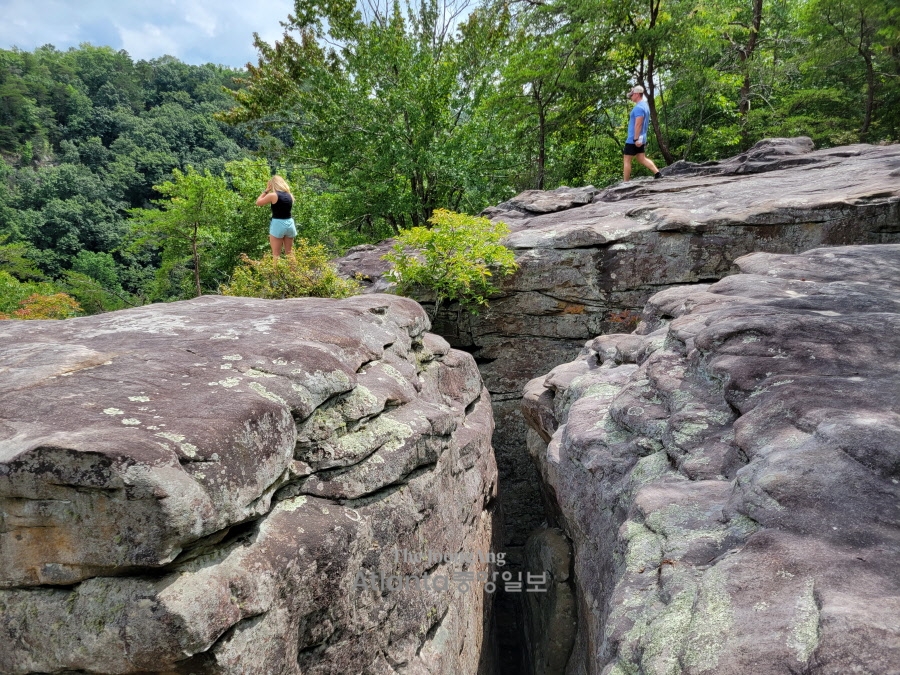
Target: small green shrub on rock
[306,273]
[455,259]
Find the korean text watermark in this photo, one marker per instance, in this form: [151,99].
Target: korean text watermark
[453,578]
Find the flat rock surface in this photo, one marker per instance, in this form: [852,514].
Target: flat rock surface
[778,182]
[197,486]
[729,475]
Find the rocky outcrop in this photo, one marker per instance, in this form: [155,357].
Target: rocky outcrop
[729,475]
[226,485]
[589,260]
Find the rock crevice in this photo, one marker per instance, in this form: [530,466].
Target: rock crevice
[589,260]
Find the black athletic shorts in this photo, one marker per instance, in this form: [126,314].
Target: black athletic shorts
[632,149]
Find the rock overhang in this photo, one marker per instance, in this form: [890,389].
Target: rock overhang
[779,190]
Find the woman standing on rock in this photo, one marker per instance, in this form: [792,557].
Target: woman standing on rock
[281,229]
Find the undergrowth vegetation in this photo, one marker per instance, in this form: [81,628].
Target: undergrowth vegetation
[307,272]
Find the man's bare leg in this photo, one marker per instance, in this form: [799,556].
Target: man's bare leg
[642,158]
[626,160]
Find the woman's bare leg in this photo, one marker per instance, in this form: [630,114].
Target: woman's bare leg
[288,246]
[275,243]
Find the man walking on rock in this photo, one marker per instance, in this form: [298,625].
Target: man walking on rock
[638,123]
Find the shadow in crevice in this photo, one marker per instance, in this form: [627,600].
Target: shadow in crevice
[509,632]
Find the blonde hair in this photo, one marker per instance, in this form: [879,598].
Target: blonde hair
[279,184]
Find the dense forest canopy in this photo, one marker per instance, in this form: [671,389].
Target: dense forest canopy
[85,135]
[123,182]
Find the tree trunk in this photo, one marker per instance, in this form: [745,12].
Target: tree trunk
[542,140]
[651,91]
[870,96]
[392,221]
[862,43]
[745,53]
[428,205]
[654,117]
[455,198]
[696,130]
[414,188]
[196,259]
[744,104]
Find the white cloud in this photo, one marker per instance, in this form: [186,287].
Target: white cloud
[202,18]
[196,31]
[147,41]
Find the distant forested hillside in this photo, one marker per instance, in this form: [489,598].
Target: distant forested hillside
[85,134]
[123,182]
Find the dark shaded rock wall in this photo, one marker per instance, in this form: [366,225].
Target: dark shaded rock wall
[729,476]
[590,259]
[196,487]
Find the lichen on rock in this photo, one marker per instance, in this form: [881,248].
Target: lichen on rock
[757,533]
[223,531]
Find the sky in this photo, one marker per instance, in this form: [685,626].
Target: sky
[194,31]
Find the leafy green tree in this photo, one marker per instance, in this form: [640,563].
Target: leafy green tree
[244,230]
[101,68]
[95,281]
[101,267]
[14,260]
[543,75]
[380,114]
[8,220]
[86,133]
[455,259]
[188,222]
[861,32]
[380,100]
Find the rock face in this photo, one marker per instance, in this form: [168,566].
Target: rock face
[590,259]
[730,474]
[222,486]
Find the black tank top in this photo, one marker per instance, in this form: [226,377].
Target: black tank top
[282,208]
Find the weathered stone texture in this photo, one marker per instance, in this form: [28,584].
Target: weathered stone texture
[729,476]
[196,487]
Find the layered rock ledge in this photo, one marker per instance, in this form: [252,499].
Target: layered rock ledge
[196,487]
[729,475]
[589,260]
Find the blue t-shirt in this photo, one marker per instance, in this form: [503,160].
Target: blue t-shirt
[640,109]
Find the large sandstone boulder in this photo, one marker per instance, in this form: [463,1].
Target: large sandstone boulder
[220,485]
[590,259]
[729,476]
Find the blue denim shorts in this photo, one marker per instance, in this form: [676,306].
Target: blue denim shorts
[282,227]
